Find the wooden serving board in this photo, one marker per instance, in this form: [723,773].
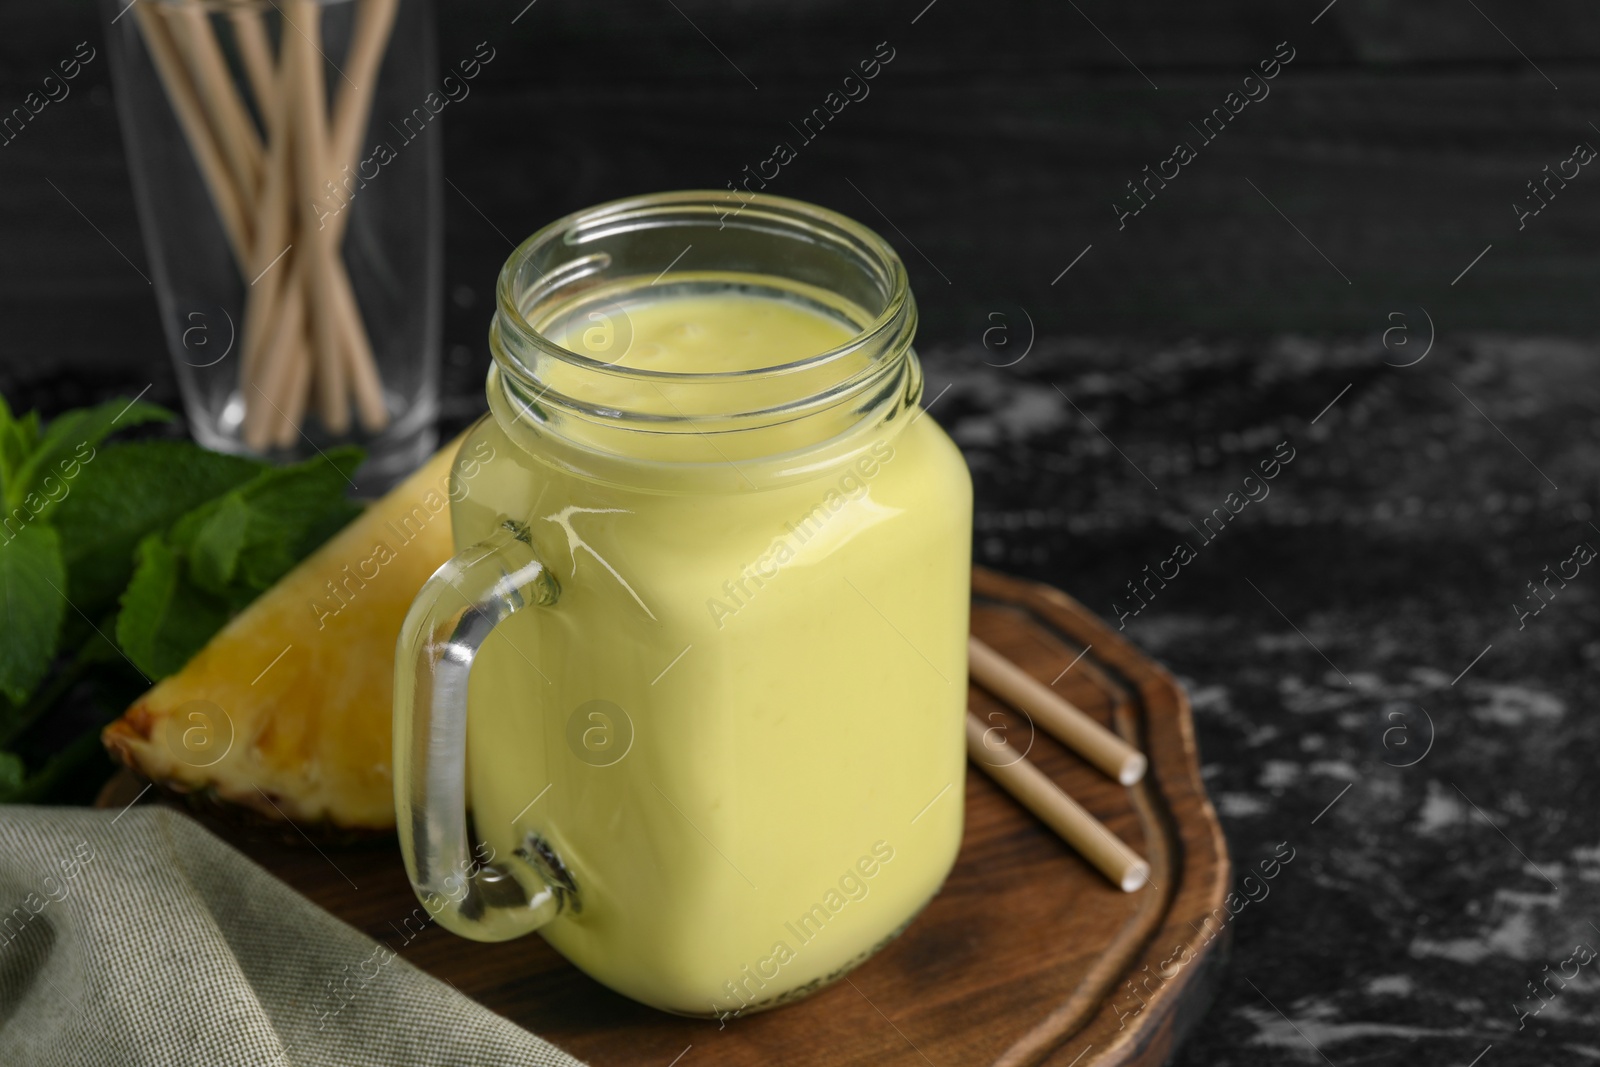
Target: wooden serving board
[1027,956]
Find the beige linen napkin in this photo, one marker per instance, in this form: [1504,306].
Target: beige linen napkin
[139,938]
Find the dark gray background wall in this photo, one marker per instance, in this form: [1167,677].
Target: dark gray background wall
[996,142]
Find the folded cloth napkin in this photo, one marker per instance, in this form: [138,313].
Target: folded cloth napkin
[139,938]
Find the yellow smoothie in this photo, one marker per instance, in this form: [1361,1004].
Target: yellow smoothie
[740,727]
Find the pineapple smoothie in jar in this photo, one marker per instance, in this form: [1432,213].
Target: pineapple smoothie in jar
[699,669]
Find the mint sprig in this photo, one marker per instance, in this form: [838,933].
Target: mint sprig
[149,545]
[127,492]
[36,469]
[217,558]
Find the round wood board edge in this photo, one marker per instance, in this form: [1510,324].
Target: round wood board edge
[1160,972]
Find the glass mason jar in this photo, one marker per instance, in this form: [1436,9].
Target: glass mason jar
[286,167]
[699,669]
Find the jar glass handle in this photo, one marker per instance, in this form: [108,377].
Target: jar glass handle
[487,898]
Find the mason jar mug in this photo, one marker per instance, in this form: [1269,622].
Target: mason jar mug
[698,672]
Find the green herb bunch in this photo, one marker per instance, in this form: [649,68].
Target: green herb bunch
[119,561]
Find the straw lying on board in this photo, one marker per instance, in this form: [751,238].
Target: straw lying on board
[1064,720]
[1091,838]
[303,338]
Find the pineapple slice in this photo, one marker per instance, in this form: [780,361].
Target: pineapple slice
[286,712]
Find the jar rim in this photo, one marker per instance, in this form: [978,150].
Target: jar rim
[877,253]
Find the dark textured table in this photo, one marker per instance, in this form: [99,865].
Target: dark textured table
[1371,682]
[1366,684]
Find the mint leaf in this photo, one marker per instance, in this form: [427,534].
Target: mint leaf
[239,545]
[165,618]
[126,492]
[221,555]
[68,442]
[18,438]
[33,583]
[220,534]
